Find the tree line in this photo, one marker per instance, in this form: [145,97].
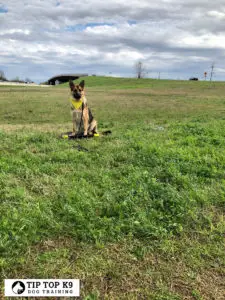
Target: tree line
[16,79]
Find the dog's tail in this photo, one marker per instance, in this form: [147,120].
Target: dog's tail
[107,132]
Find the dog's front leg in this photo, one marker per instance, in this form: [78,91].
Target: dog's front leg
[93,127]
[85,120]
[74,118]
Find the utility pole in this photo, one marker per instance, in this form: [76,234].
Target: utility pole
[212,72]
[159,76]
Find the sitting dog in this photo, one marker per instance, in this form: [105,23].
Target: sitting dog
[84,123]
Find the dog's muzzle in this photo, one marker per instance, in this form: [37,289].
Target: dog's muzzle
[77,95]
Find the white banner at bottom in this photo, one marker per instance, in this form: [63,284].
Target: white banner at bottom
[42,287]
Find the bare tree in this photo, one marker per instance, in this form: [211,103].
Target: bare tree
[2,75]
[28,80]
[140,70]
[16,79]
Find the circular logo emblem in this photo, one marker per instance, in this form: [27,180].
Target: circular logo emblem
[18,287]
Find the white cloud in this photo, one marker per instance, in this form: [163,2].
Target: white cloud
[204,41]
[216,14]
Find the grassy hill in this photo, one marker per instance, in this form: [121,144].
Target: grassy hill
[127,83]
[116,82]
[134,215]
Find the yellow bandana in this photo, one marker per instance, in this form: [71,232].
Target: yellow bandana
[76,104]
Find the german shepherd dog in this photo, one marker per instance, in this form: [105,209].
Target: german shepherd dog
[84,124]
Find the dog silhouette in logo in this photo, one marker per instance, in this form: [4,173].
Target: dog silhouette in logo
[18,287]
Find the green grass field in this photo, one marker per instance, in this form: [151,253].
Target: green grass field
[139,215]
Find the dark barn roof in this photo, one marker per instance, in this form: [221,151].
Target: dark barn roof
[64,78]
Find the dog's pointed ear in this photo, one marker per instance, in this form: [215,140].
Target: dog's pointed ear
[82,84]
[72,86]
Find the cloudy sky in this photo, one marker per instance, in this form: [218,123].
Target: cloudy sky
[178,38]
